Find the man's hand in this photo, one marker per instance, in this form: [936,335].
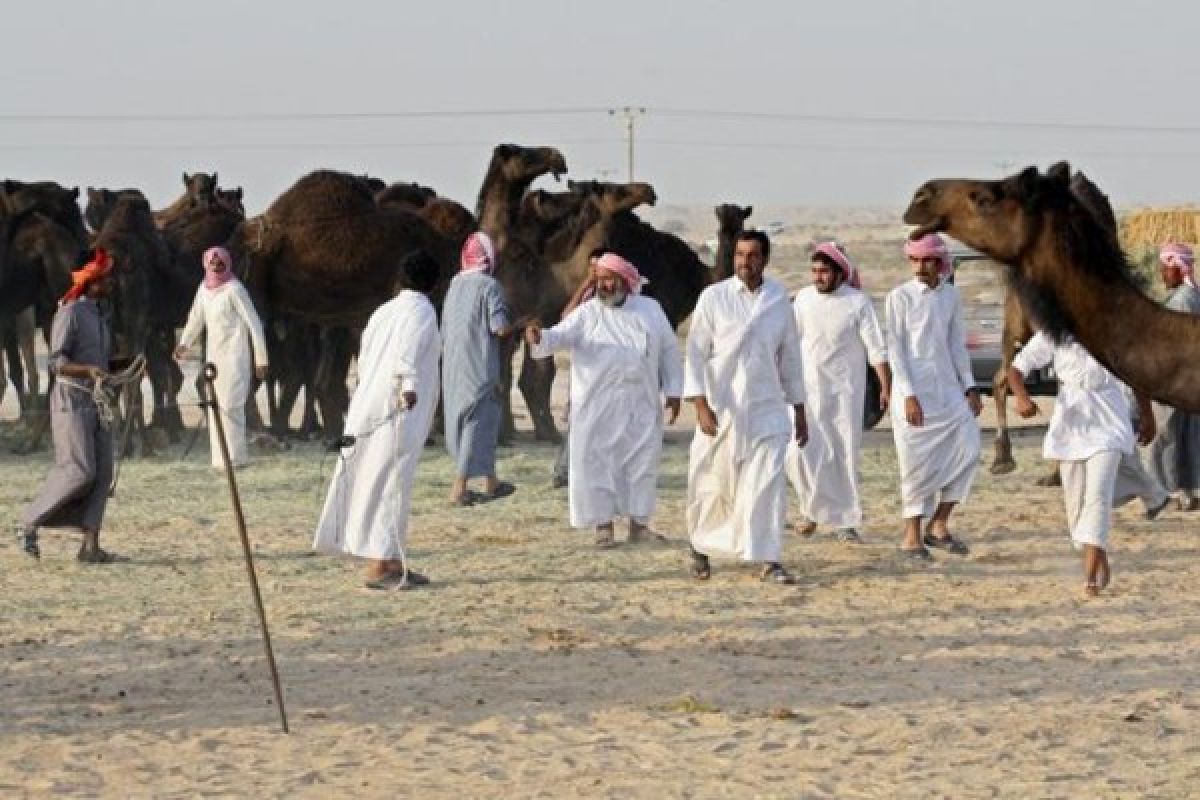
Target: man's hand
[801,426]
[260,372]
[97,375]
[1147,429]
[409,399]
[672,409]
[913,412]
[1026,408]
[706,419]
[181,353]
[973,402]
[533,334]
[885,396]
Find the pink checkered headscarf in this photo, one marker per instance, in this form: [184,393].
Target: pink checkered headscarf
[834,251]
[213,279]
[478,253]
[622,269]
[930,246]
[1176,254]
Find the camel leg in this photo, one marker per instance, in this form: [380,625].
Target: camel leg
[508,426]
[332,371]
[26,324]
[16,370]
[536,383]
[1002,461]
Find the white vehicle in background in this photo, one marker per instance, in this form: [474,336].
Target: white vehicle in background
[774,228]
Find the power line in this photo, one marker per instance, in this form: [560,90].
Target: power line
[568,111]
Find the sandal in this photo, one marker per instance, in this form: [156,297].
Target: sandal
[606,541]
[701,569]
[775,573]
[503,489]
[1091,589]
[848,535]
[947,543]
[99,556]
[397,581]
[29,543]
[919,555]
[1152,513]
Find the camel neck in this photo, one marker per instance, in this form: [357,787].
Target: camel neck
[1152,349]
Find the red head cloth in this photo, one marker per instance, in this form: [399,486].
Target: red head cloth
[834,251]
[930,246]
[1175,254]
[212,278]
[622,269]
[478,253]
[94,270]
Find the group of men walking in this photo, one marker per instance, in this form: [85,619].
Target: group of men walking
[777,389]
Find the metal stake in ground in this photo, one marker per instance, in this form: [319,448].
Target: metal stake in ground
[210,376]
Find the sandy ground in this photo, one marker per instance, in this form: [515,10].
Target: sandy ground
[538,667]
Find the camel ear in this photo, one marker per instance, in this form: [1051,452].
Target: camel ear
[187,179]
[1027,182]
[75,192]
[747,212]
[1060,172]
[215,183]
[238,193]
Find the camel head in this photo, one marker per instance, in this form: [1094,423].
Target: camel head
[101,202]
[231,201]
[550,207]
[731,218]
[524,165]
[613,198]
[200,189]
[1002,218]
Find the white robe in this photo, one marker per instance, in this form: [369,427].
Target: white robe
[927,350]
[366,510]
[839,335]
[226,316]
[744,357]
[622,361]
[1091,436]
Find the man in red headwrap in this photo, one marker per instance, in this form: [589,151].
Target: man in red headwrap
[624,357]
[839,335]
[76,490]
[1175,455]
[934,402]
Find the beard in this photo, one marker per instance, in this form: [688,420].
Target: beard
[612,299]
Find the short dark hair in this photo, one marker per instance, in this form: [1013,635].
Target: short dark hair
[755,235]
[418,271]
[596,253]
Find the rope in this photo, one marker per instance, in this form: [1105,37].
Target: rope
[104,391]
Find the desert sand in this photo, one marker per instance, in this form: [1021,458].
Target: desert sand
[535,666]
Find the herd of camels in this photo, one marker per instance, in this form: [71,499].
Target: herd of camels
[322,257]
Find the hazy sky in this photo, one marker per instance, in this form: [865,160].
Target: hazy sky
[1087,81]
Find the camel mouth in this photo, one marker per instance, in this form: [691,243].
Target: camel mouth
[936,225]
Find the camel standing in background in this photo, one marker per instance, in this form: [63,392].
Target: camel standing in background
[731,220]
[1070,275]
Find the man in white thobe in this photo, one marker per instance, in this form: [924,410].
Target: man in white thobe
[234,343]
[624,356]
[742,373]
[1089,435]
[934,400]
[366,510]
[839,334]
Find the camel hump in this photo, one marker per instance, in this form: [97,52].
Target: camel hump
[323,195]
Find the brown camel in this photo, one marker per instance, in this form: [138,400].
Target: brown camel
[408,196]
[325,254]
[1070,276]
[199,191]
[547,259]
[231,200]
[731,220]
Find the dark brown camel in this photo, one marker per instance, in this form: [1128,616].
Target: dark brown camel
[139,255]
[1017,331]
[731,220]
[1069,275]
[324,253]
[199,191]
[510,172]
[231,200]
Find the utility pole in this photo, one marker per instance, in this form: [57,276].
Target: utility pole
[629,114]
